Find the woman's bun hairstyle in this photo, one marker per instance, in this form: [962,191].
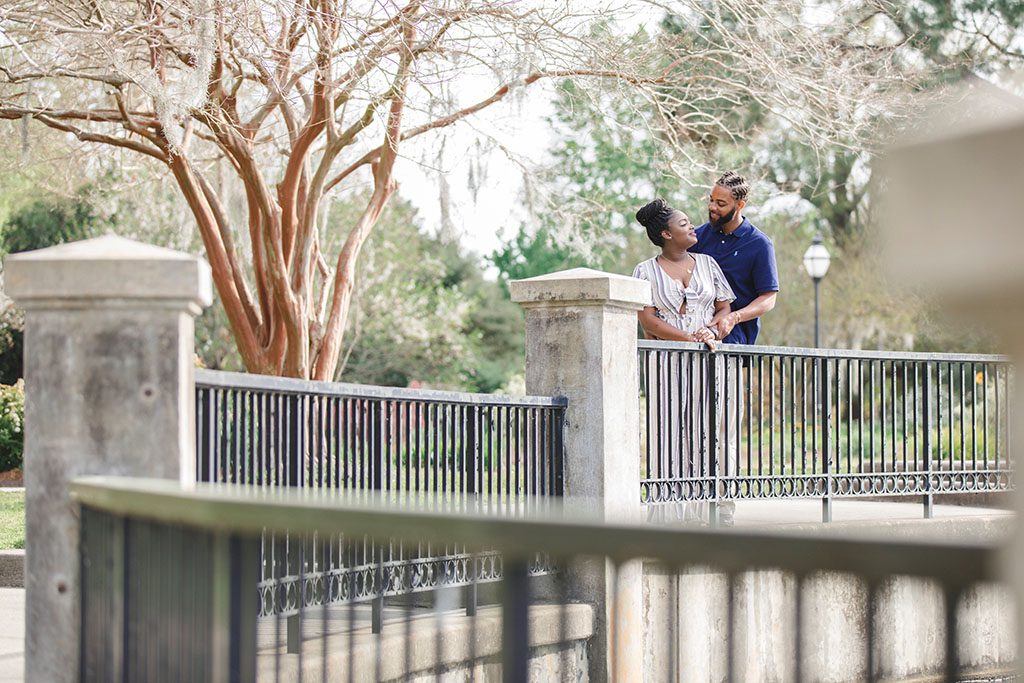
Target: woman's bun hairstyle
[654,217]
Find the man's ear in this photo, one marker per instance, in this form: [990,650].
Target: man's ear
[740,205]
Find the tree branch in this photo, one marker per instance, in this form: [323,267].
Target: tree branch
[87,136]
[374,154]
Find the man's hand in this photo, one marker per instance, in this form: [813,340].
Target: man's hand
[725,323]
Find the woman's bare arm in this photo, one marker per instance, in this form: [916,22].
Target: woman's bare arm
[656,328]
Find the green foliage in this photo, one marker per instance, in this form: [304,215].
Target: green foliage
[215,345]
[12,344]
[496,327]
[147,213]
[529,254]
[604,167]
[423,313]
[51,220]
[41,223]
[12,425]
[942,42]
[962,36]
[12,520]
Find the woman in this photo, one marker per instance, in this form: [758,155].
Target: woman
[687,291]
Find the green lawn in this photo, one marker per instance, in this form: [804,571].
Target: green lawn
[12,519]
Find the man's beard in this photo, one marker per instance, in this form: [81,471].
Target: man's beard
[723,220]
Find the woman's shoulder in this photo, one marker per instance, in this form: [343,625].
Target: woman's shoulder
[644,266]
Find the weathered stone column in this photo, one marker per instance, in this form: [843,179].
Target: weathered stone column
[109,390]
[581,343]
[945,239]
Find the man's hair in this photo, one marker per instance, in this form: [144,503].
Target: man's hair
[735,183]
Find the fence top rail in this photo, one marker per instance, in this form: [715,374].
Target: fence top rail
[559,531]
[288,385]
[843,354]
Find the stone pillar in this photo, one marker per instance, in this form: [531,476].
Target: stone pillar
[581,332]
[109,326]
[945,239]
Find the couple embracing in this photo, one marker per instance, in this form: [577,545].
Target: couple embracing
[709,284]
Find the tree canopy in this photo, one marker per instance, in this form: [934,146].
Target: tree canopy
[293,102]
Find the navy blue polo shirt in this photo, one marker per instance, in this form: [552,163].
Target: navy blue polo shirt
[747,257]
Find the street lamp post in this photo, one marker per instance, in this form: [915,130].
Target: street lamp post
[816,262]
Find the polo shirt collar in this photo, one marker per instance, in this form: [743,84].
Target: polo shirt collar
[745,229]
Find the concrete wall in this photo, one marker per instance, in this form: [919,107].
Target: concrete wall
[452,649]
[686,621]
[549,664]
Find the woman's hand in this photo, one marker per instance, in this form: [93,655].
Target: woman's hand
[706,337]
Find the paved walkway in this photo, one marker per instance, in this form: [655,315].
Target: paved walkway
[790,514]
[802,512]
[12,634]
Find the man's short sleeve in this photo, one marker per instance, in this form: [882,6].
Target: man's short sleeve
[766,273]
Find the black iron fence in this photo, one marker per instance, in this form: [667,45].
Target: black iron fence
[789,422]
[272,432]
[164,572]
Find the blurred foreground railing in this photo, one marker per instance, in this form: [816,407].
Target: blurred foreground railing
[273,432]
[820,423]
[150,613]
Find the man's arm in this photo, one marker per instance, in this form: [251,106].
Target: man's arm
[725,320]
[765,275]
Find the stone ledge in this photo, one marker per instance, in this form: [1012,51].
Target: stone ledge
[106,268]
[997,526]
[581,286]
[12,568]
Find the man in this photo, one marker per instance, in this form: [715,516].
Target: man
[747,257]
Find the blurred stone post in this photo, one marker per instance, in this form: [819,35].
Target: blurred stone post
[954,228]
[109,339]
[581,343]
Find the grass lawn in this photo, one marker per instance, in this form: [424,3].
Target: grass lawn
[12,519]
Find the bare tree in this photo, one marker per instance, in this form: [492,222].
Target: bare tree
[300,98]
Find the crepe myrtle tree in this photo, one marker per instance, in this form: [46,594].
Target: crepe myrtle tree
[303,98]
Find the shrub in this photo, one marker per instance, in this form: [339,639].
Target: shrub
[12,425]
[12,342]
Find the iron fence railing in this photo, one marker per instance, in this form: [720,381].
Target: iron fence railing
[150,613]
[821,423]
[272,432]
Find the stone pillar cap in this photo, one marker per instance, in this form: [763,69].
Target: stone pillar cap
[581,286]
[107,268]
[937,235]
